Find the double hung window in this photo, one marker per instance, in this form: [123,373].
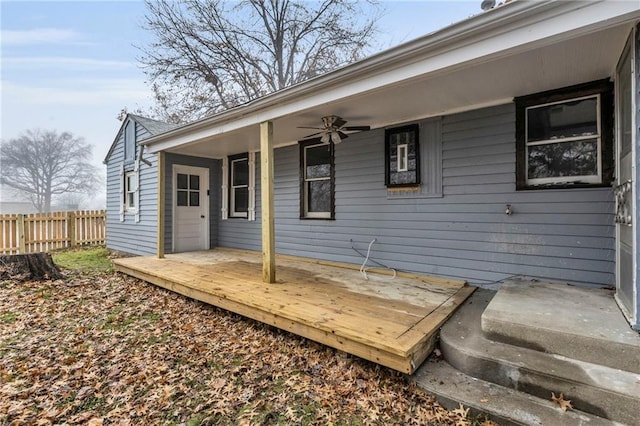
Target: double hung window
[317,180]
[564,137]
[238,185]
[131,186]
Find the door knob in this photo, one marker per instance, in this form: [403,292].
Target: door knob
[202,216]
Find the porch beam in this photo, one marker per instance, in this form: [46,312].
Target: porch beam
[266,180]
[161,206]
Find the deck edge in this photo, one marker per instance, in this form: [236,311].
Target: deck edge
[344,343]
[417,349]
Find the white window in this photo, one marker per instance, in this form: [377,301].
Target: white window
[239,186]
[564,137]
[130,188]
[563,141]
[317,180]
[187,190]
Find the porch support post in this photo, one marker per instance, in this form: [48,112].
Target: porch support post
[266,181]
[161,206]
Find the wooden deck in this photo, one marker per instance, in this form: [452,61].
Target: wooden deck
[390,321]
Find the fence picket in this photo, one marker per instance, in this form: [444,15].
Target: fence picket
[34,232]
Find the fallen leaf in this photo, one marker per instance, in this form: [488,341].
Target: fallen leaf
[564,404]
[484,400]
[460,412]
[133,353]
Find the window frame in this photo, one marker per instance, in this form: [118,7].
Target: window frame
[602,91]
[130,194]
[304,213]
[415,128]
[232,188]
[188,191]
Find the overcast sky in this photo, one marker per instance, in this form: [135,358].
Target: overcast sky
[71,66]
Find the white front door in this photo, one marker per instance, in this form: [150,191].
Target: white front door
[625,185]
[190,208]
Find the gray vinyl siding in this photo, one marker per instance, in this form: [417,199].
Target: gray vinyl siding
[214,167]
[130,236]
[558,235]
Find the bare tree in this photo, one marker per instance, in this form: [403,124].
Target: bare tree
[211,55]
[43,164]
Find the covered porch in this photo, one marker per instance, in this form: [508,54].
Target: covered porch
[389,320]
[459,77]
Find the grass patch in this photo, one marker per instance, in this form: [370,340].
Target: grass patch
[95,258]
[9,317]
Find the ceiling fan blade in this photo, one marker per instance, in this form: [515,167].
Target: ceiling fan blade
[342,135]
[335,137]
[339,122]
[307,127]
[314,134]
[356,128]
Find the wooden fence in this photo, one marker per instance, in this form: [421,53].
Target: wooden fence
[37,232]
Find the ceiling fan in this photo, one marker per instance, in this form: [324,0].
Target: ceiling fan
[333,129]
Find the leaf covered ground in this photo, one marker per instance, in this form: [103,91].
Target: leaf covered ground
[104,348]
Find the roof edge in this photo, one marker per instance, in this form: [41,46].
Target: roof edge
[492,22]
[129,116]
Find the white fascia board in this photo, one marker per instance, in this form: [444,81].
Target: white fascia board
[507,30]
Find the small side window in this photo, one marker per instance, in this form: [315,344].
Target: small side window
[402,156]
[131,186]
[239,185]
[317,180]
[187,190]
[130,141]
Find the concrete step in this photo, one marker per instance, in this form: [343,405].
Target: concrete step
[502,405]
[576,322]
[606,392]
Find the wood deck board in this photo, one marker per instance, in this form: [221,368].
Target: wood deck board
[328,297]
[382,357]
[391,322]
[296,303]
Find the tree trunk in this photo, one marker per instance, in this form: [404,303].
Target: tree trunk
[47,200]
[30,266]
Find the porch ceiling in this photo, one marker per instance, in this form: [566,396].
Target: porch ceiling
[488,81]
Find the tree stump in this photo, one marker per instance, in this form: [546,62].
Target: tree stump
[30,266]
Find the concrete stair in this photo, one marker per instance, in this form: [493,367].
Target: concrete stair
[532,339]
[504,405]
[575,322]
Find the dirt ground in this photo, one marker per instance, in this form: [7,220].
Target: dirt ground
[104,348]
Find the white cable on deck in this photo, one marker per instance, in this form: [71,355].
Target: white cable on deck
[363,268]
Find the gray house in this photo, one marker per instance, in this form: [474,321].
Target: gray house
[503,145]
